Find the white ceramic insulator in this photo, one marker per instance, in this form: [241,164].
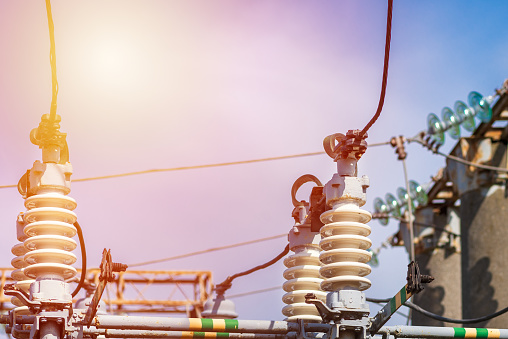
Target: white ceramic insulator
[302,275]
[49,226]
[22,281]
[344,243]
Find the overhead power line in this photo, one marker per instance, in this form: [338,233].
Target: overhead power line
[208,250]
[184,168]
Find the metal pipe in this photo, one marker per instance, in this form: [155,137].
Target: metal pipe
[442,332]
[208,325]
[111,333]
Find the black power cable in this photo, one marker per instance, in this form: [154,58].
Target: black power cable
[83,258]
[226,284]
[426,313]
[455,321]
[385,69]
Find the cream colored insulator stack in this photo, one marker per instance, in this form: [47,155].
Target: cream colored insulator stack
[302,273]
[344,240]
[22,281]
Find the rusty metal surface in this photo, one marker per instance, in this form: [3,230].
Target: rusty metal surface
[182,292]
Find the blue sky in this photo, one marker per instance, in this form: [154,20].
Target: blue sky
[159,84]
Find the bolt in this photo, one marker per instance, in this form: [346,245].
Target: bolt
[358,329]
[43,320]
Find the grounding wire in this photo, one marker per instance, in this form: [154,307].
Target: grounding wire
[183,168]
[83,259]
[208,250]
[52,59]
[385,68]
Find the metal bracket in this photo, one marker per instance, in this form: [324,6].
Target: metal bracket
[107,268]
[325,312]
[11,289]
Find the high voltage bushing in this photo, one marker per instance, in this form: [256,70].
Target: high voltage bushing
[393,207]
[462,115]
[302,273]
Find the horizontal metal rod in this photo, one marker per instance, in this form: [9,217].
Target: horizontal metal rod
[202,325]
[443,332]
[110,333]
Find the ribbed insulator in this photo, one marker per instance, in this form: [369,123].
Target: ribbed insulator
[344,244]
[49,226]
[22,281]
[303,277]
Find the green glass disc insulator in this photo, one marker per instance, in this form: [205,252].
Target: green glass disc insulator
[435,128]
[374,261]
[465,115]
[393,205]
[403,197]
[451,122]
[480,105]
[380,207]
[418,193]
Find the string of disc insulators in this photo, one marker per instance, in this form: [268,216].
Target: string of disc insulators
[462,115]
[393,207]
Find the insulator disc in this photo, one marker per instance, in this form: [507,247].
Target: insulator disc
[24,285]
[302,271]
[435,128]
[480,106]
[393,205]
[300,309]
[50,214]
[418,193]
[451,122]
[346,213]
[19,275]
[381,207]
[299,296]
[404,197]
[16,302]
[346,281]
[302,258]
[466,116]
[345,254]
[345,227]
[19,262]
[345,241]
[50,200]
[50,227]
[344,269]
[19,250]
[50,256]
[36,270]
[50,242]
[374,262]
[302,284]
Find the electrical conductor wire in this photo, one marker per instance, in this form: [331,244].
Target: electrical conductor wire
[385,69]
[52,59]
[208,250]
[83,259]
[226,284]
[184,168]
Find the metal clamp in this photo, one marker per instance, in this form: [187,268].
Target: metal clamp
[325,312]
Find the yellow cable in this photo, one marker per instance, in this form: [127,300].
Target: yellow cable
[52,60]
